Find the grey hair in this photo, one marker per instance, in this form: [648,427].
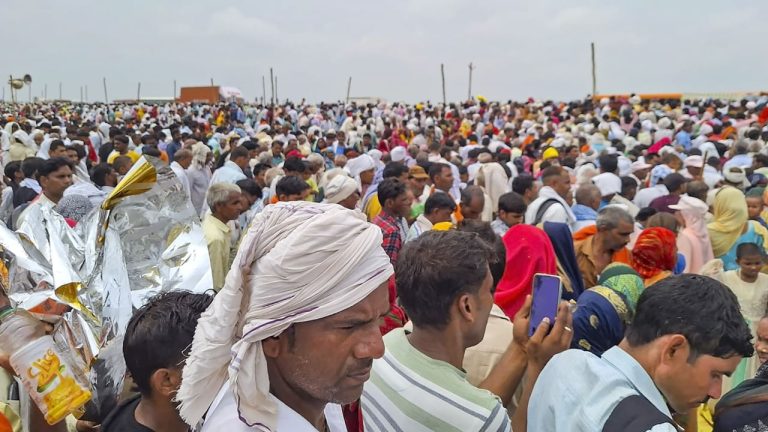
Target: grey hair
[609,218]
[219,193]
[316,160]
[273,173]
[587,193]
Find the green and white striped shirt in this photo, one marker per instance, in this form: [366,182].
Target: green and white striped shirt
[409,391]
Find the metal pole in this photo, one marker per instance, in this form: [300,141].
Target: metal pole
[263,90]
[29,91]
[349,87]
[174,90]
[277,98]
[442,74]
[594,71]
[59,90]
[3,94]
[45,92]
[138,93]
[211,82]
[104,81]
[272,85]
[469,93]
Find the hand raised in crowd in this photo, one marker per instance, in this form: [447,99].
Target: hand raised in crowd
[521,323]
[542,346]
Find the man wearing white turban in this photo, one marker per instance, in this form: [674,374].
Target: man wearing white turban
[362,169]
[342,190]
[295,329]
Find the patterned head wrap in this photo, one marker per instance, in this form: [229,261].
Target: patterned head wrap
[655,251]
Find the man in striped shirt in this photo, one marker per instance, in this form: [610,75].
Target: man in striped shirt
[419,385]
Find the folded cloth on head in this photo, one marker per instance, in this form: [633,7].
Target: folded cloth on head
[298,262]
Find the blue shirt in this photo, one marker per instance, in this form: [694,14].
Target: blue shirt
[683,138]
[577,391]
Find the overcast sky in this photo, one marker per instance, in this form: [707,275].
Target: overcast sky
[392,49]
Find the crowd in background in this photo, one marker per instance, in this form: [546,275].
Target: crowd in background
[646,210]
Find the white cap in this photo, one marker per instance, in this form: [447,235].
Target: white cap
[608,183]
[339,188]
[690,203]
[694,161]
[625,166]
[397,154]
[736,176]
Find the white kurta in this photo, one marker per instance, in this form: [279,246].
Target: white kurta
[223,416]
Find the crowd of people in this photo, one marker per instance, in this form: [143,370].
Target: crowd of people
[372,265]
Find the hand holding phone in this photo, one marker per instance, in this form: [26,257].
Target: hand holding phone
[546,291]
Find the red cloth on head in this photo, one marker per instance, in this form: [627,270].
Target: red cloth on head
[659,144]
[529,251]
[655,251]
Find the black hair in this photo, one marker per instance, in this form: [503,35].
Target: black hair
[390,188]
[160,332]
[122,138]
[608,162]
[645,213]
[673,182]
[522,183]
[627,184]
[290,185]
[439,201]
[11,169]
[548,173]
[238,152]
[436,268]
[55,145]
[51,165]
[700,308]
[512,202]
[293,164]
[250,145]
[259,167]
[152,151]
[394,170]
[486,233]
[249,186]
[100,172]
[749,249]
[436,169]
[79,149]
[30,166]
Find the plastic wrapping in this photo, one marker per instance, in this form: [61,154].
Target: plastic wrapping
[146,238]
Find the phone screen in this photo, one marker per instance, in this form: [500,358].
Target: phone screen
[546,297]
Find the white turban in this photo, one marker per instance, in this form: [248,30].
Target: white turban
[339,188]
[359,164]
[397,154]
[298,262]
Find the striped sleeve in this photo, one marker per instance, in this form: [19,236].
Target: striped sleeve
[397,398]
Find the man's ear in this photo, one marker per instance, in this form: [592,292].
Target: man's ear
[465,307]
